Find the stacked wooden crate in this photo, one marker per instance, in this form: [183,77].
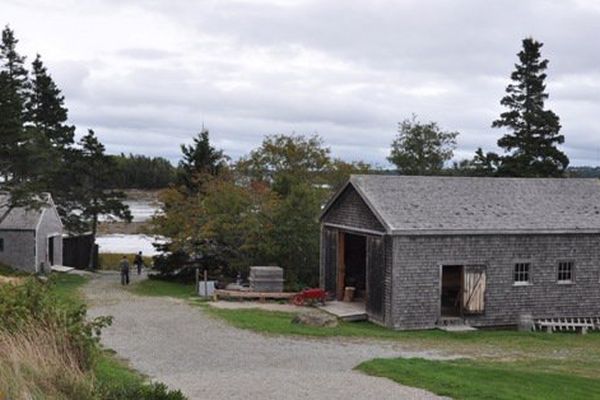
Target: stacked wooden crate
[266,279]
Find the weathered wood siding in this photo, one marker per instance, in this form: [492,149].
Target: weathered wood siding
[328,267]
[376,278]
[19,249]
[350,213]
[416,276]
[49,226]
[350,210]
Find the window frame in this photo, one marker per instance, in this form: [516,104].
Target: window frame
[571,272]
[515,273]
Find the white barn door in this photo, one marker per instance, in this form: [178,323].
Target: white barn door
[474,283]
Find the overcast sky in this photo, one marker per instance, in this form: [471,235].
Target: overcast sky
[145,75]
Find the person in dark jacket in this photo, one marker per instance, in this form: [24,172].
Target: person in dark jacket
[138,262]
[124,267]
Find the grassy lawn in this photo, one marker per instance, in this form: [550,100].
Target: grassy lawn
[155,287]
[468,379]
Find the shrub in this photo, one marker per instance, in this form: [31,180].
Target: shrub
[135,391]
[31,304]
[38,363]
[49,350]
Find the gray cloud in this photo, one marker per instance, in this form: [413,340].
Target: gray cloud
[147,74]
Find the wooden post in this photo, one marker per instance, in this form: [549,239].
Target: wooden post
[206,283]
[197,281]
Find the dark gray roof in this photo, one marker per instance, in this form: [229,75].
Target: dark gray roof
[20,218]
[430,205]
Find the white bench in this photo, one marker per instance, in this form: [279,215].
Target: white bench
[566,324]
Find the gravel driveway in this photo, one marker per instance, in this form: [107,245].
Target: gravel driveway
[179,345]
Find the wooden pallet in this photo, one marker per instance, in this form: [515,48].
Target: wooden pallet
[246,294]
[575,324]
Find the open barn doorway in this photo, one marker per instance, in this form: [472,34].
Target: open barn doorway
[353,265]
[51,250]
[452,289]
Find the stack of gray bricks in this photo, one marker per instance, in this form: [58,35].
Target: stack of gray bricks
[266,279]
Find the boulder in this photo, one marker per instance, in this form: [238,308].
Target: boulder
[319,319]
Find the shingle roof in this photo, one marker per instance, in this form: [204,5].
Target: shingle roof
[18,218]
[430,205]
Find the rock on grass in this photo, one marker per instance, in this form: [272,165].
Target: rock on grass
[315,319]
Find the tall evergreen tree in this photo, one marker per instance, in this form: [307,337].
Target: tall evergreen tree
[89,178]
[46,109]
[532,143]
[199,159]
[14,88]
[50,136]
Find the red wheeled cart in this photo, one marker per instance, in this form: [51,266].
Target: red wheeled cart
[310,296]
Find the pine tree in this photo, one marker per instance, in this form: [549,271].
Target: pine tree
[532,143]
[49,135]
[199,159]
[89,178]
[14,88]
[46,109]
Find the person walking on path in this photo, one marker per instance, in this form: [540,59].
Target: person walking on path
[124,267]
[138,262]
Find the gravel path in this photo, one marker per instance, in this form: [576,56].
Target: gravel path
[179,345]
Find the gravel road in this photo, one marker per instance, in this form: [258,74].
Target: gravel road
[207,359]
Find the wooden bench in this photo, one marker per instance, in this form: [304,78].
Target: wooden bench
[246,294]
[566,324]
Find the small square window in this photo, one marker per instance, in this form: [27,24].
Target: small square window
[521,273]
[565,271]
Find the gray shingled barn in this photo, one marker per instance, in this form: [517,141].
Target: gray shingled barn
[420,250]
[30,238]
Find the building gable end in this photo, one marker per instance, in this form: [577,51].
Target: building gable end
[349,209]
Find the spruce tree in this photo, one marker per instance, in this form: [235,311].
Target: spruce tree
[531,146]
[46,109]
[89,177]
[49,135]
[199,161]
[14,88]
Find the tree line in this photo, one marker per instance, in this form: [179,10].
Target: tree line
[137,171]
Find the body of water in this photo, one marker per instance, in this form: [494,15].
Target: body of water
[141,211]
[121,243]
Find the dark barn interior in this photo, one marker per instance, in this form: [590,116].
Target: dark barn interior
[451,290]
[355,257]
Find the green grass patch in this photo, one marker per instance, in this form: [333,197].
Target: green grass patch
[279,323]
[471,379]
[66,288]
[110,261]
[572,353]
[160,288]
[111,370]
